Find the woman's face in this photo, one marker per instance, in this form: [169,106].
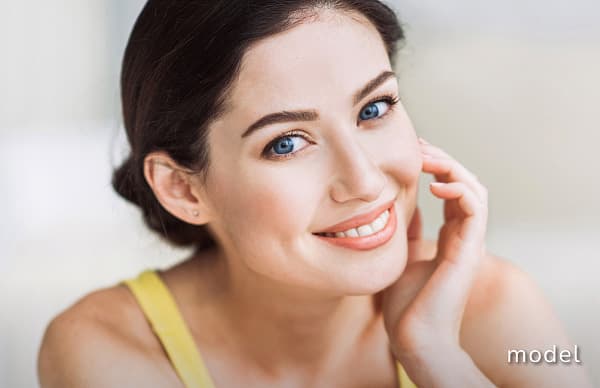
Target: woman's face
[274,187]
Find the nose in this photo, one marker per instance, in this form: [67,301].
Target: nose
[357,175]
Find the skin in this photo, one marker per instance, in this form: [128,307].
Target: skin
[275,305]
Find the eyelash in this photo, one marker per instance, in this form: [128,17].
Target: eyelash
[391,99]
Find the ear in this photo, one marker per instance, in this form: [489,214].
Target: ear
[174,188]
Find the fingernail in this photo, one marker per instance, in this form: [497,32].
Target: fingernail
[423,140]
[437,184]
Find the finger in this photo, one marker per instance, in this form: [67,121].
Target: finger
[449,170]
[432,149]
[462,243]
[445,294]
[468,201]
[437,152]
[446,168]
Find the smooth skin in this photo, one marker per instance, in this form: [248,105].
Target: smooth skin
[274,305]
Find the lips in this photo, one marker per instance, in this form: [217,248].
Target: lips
[360,242]
[357,221]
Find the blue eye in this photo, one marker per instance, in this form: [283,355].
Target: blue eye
[285,145]
[374,110]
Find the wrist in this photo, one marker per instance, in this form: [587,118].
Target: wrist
[442,366]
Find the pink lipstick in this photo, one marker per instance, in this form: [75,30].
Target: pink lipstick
[364,232]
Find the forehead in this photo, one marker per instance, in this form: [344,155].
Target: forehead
[338,52]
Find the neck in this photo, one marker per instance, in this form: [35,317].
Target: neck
[283,328]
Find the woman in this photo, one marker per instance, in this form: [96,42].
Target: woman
[269,135]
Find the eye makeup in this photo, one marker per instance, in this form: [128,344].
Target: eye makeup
[268,151]
[390,99]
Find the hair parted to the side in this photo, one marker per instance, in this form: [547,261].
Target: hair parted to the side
[180,61]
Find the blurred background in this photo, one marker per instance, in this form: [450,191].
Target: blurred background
[509,88]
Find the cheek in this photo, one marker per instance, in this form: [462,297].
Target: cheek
[398,150]
[402,157]
[266,208]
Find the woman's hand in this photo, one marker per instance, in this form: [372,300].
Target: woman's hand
[423,309]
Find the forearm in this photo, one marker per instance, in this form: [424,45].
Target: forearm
[440,369]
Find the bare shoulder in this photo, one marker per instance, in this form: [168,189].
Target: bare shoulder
[507,310]
[102,340]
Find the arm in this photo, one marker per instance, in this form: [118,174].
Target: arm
[452,320]
[437,367]
[507,310]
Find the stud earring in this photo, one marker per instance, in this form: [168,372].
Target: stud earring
[195,213]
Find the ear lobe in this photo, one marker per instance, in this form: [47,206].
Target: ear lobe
[174,189]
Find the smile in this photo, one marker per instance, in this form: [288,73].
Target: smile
[364,232]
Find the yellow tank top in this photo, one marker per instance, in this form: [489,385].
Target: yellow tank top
[166,321]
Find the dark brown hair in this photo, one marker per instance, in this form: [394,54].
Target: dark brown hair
[181,59]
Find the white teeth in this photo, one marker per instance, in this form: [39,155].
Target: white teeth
[386,216]
[374,227]
[378,224]
[351,233]
[364,230]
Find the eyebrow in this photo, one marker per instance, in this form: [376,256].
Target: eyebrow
[311,115]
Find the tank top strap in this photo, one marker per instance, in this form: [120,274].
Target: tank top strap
[166,321]
[403,380]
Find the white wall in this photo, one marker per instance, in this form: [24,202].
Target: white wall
[509,88]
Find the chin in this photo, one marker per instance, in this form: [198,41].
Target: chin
[376,281]
[364,275]
[364,272]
